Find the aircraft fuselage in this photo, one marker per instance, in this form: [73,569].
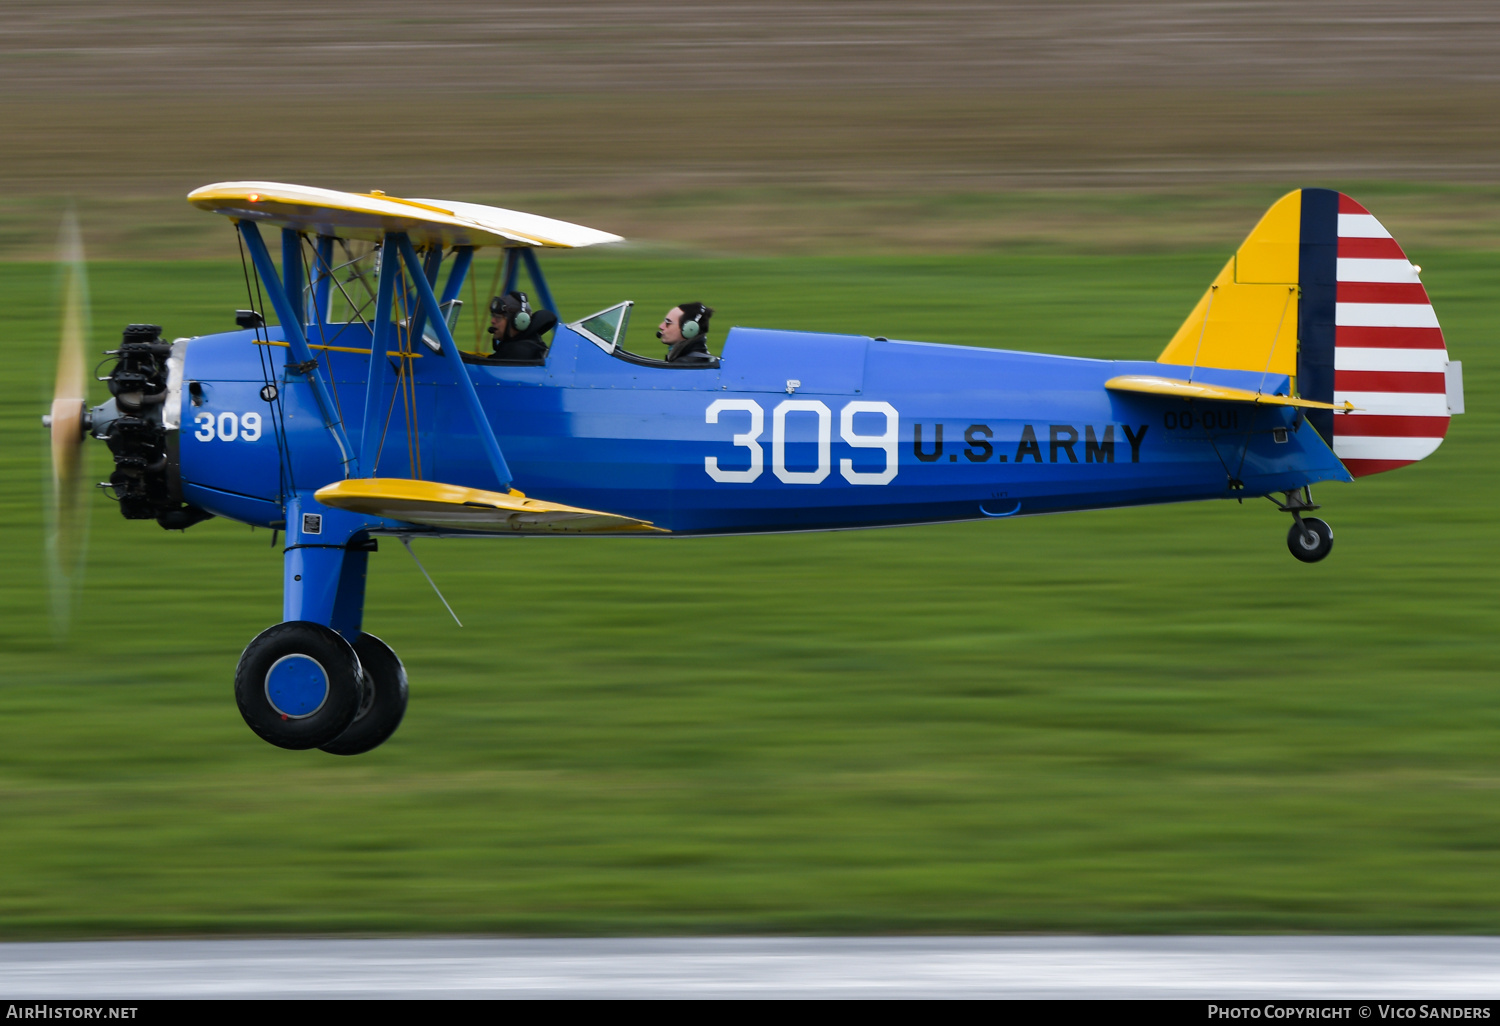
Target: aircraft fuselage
[792,431]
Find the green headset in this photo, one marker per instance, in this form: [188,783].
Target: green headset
[513,306]
[692,327]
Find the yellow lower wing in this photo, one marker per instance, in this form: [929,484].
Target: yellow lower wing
[1154,385]
[471,509]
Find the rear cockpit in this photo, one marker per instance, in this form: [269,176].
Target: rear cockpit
[606,329]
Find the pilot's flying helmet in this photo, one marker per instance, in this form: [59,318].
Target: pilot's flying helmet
[514,307]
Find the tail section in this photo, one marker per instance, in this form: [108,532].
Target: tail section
[1321,291]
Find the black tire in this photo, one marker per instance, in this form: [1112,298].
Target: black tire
[1310,542]
[298,685]
[383,703]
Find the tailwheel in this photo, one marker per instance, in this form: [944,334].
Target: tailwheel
[383,701]
[1310,539]
[298,685]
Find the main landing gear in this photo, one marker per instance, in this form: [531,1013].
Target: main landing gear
[317,680]
[301,685]
[1310,539]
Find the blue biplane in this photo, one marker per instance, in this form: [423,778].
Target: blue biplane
[1314,356]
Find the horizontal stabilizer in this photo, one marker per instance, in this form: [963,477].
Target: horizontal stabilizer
[470,509]
[1151,384]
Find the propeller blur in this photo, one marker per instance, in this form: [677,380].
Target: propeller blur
[68,510]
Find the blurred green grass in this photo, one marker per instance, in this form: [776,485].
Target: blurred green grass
[1125,721]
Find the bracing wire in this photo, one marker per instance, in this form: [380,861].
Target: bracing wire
[330,272]
[405,540]
[411,385]
[333,385]
[356,311]
[257,300]
[1249,433]
[398,302]
[494,285]
[389,410]
[1203,331]
[357,274]
[474,308]
[1276,338]
[1259,389]
[408,379]
[262,355]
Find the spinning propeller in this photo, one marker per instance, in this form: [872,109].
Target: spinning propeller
[68,508]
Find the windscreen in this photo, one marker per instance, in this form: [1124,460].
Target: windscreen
[607,326]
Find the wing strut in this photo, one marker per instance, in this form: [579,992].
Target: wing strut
[456,275]
[514,258]
[534,272]
[450,350]
[317,303]
[380,342]
[291,275]
[288,312]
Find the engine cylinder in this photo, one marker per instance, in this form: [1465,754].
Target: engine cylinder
[143,443]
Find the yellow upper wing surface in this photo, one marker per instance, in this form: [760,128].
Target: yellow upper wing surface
[471,509]
[352,215]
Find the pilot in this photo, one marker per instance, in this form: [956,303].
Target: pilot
[518,331]
[684,331]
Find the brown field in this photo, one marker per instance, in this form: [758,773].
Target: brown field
[772,127]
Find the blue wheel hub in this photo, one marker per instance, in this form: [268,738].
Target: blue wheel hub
[296,686]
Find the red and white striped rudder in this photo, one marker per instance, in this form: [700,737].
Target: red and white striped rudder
[1390,359]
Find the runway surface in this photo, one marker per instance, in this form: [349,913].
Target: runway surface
[1213,968]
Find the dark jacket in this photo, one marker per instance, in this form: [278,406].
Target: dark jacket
[528,344]
[693,350]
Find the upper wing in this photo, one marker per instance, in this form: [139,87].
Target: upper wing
[471,509]
[353,215]
[1152,384]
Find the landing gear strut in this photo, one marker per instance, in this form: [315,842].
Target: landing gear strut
[1310,539]
[317,680]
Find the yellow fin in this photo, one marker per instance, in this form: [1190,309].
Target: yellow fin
[1153,385]
[471,509]
[1247,320]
